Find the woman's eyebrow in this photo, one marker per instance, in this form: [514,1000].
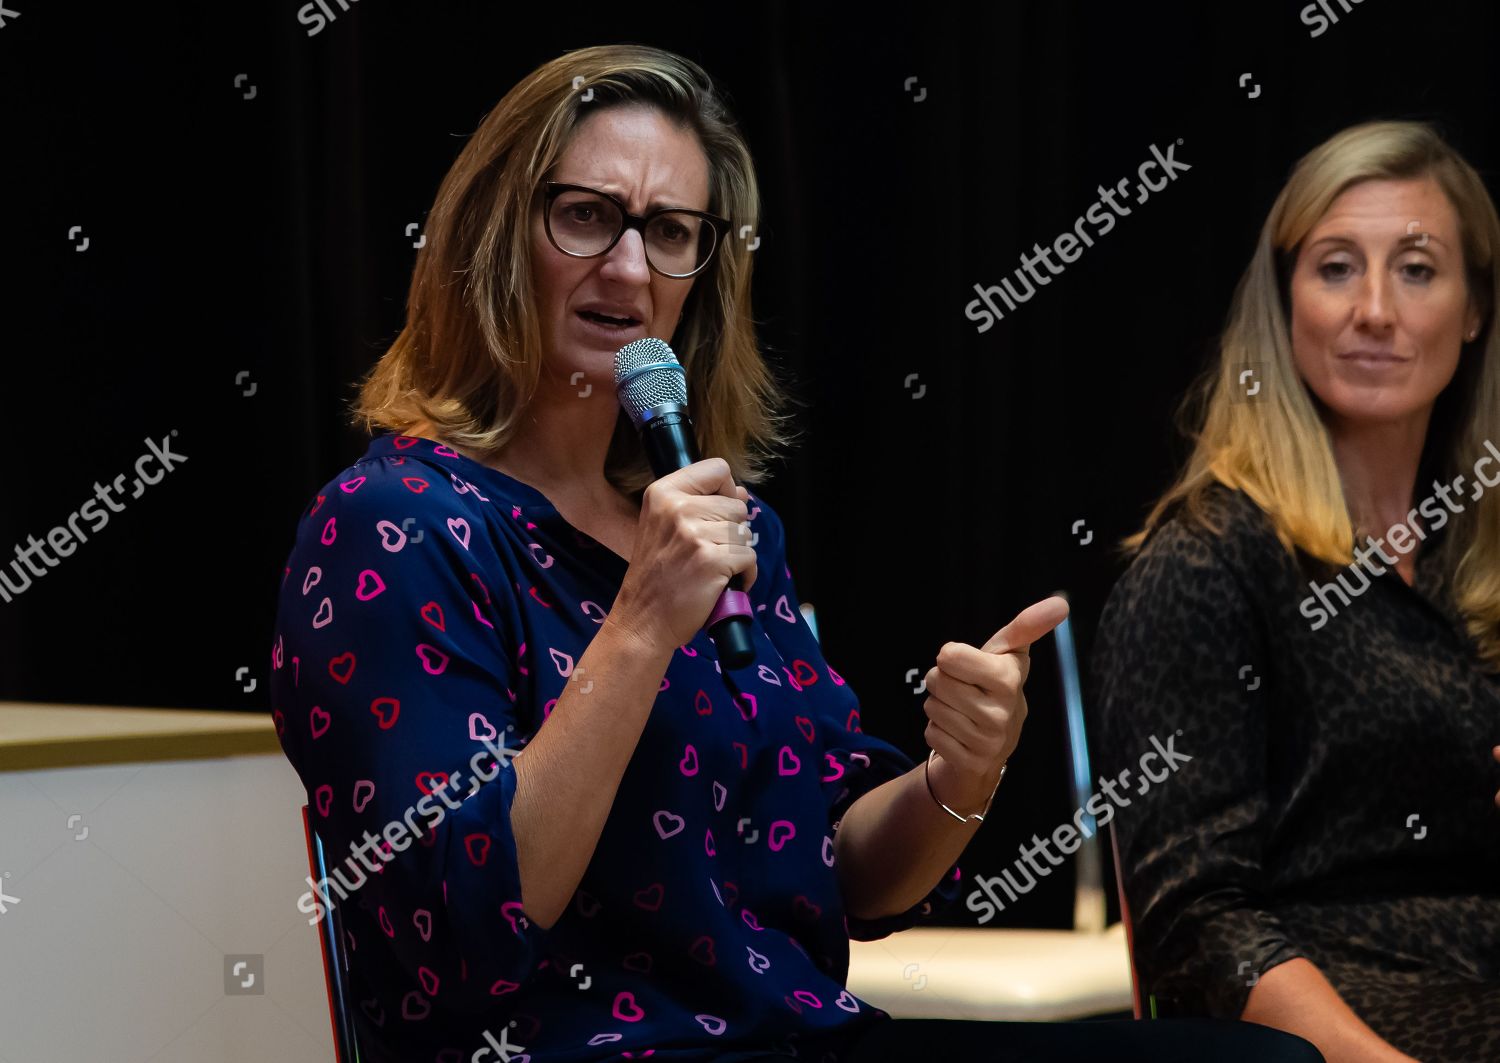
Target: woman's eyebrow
[1421,239]
[656,204]
[1413,239]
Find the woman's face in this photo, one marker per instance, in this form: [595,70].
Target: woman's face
[643,159]
[1379,303]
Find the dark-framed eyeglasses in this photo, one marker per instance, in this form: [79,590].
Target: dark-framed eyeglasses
[584,222]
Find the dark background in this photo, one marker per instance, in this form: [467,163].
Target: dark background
[267,236]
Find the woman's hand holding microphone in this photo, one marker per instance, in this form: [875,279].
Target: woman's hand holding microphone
[693,535]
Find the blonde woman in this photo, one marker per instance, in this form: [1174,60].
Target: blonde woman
[1313,612]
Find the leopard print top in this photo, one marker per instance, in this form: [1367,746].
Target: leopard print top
[1340,800]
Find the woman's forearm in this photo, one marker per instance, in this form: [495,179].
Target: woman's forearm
[569,773]
[900,817]
[1295,997]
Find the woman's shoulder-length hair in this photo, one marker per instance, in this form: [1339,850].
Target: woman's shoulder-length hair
[469,358]
[1274,446]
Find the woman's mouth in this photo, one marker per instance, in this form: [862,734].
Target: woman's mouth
[606,321]
[1368,359]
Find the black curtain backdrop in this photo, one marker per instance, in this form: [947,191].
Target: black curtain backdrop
[246,188]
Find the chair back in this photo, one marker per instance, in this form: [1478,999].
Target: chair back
[335,960]
[1089,910]
[1089,907]
[1135,974]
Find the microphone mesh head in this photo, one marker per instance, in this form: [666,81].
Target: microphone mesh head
[648,375]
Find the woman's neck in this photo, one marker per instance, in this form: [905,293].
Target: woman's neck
[1378,468]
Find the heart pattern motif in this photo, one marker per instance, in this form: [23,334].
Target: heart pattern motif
[650,897]
[702,950]
[415,1007]
[364,790]
[386,710]
[491,584]
[626,1009]
[370,585]
[661,821]
[782,831]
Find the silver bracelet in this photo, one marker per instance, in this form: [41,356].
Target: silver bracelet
[962,819]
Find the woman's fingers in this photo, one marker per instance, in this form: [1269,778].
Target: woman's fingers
[996,674]
[1029,625]
[985,720]
[959,722]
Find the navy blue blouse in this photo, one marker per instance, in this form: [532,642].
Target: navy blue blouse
[431,610]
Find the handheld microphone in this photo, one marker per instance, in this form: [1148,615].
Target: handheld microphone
[653,390]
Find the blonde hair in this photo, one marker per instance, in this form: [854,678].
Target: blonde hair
[469,358]
[1277,450]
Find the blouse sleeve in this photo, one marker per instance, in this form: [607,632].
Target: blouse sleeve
[391,683]
[1174,636]
[852,762]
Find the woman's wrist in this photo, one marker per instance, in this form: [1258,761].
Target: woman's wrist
[639,636]
[964,798]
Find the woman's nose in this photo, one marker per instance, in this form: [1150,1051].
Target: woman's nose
[626,261]
[1373,308]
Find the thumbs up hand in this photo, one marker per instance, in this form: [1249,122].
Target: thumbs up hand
[975,706]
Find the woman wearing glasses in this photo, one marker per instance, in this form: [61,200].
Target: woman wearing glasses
[673,863]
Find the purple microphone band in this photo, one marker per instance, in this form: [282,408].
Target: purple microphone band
[731,603]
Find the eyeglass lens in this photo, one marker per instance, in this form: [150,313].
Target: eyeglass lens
[584,223]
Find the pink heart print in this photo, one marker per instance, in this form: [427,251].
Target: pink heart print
[705,946]
[363,787]
[788,832]
[434,660]
[381,706]
[415,1007]
[370,585]
[664,817]
[626,1008]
